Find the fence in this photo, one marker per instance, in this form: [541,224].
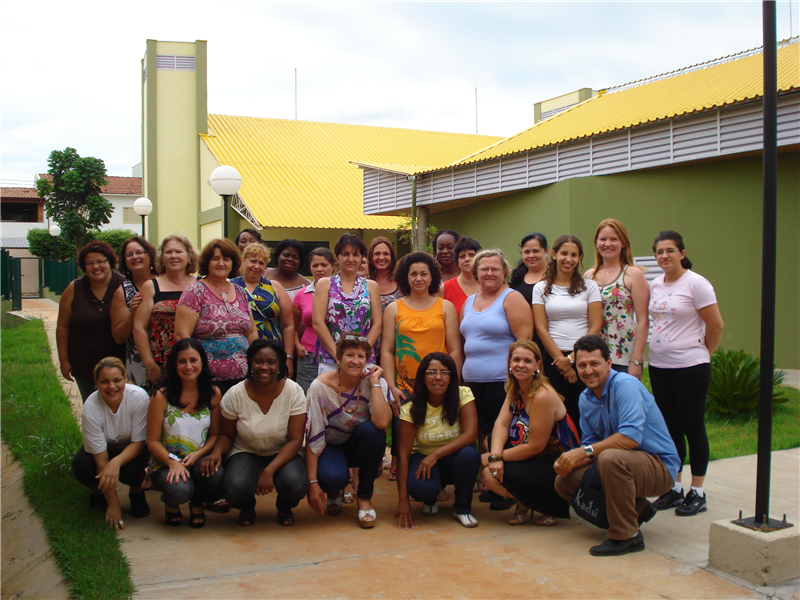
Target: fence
[26,276]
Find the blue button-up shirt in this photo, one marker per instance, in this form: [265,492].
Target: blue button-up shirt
[626,407]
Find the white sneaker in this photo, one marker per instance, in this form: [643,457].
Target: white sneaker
[466,520]
[430,510]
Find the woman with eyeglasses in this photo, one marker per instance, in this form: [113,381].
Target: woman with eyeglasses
[438,429]
[687,328]
[348,412]
[138,265]
[83,330]
[491,320]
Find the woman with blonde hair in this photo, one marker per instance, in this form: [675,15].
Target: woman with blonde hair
[154,320]
[625,294]
[532,430]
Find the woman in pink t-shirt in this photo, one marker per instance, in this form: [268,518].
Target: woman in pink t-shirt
[687,328]
[321,265]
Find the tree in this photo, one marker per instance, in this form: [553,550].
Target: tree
[72,195]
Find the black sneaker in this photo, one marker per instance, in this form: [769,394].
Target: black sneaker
[139,506]
[692,505]
[486,496]
[648,513]
[668,500]
[619,547]
[500,503]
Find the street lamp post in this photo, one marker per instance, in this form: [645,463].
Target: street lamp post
[225,181]
[143,207]
[55,231]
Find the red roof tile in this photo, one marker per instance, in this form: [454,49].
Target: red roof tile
[19,192]
[126,186]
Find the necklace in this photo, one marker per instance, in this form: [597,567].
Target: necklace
[339,392]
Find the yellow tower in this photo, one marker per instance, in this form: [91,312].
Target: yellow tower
[174,113]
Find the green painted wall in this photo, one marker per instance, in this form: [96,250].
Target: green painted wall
[716,206]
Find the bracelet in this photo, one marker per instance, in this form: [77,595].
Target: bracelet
[635,362]
[495,458]
[290,356]
[377,385]
[313,481]
[151,368]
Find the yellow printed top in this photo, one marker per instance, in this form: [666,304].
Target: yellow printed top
[435,432]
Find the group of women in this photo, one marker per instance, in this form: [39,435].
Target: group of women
[382,342]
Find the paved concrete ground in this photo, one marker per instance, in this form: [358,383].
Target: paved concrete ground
[330,557]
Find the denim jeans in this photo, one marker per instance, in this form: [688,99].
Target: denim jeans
[197,489]
[242,471]
[364,449]
[307,370]
[132,473]
[460,469]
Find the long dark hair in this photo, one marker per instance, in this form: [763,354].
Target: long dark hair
[673,236]
[577,285]
[419,399]
[518,274]
[172,385]
[146,246]
[277,347]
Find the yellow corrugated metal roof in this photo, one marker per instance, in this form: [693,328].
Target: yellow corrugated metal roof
[393,168]
[298,173]
[688,91]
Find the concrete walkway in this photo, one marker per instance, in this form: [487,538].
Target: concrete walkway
[330,557]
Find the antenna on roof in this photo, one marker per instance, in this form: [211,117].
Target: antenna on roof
[476,111]
[295,93]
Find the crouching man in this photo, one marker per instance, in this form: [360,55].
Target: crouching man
[623,430]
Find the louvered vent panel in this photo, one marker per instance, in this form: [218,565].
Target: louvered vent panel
[464,183]
[789,120]
[404,191]
[372,197]
[513,173]
[488,177]
[695,138]
[573,160]
[610,154]
[650,146]
[424,191]
[170,62]
[741,129]
[542,167]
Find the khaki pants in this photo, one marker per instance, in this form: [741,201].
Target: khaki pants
[629,477]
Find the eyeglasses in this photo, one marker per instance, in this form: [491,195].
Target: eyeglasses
[433,373]
[489,270]
[355,338]
[666,251]
[99,263]
[136,253]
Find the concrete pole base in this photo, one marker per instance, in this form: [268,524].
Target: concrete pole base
[758,557]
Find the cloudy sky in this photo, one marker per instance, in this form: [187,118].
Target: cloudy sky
[70,70]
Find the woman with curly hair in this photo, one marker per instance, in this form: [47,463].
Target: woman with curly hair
[290,257]
[438,430]
[565,308]
[83,330]
[444,251]
[154,320]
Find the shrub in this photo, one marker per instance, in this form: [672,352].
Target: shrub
[734,388]
[113,237]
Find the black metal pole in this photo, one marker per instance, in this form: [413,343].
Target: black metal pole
[768,257]
[144,232]
[225,216]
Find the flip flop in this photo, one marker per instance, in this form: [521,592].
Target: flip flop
[392,474]
[285,518]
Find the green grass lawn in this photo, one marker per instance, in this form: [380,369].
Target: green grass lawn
[39,428]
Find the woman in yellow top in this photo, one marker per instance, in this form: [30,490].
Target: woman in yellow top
[438,430]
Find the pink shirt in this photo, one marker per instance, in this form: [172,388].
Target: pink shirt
[304,300]
[678,337]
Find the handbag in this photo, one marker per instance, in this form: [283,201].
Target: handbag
[589,500]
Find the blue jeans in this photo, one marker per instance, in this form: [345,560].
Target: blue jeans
[459,469]
[197,489]
[241,479]
[364,449]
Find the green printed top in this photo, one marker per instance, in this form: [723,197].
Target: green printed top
[417,334]
[182,433]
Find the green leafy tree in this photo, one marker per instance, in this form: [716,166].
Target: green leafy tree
[72,195]
[407,230]
[41,243]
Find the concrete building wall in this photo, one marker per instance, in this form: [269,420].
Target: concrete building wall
[715,206]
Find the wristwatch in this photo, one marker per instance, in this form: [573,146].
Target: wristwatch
[571,358]
[589,451]
[635,362]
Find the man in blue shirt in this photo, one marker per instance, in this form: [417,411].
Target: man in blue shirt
[623,430]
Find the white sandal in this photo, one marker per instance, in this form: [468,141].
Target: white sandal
[367,518]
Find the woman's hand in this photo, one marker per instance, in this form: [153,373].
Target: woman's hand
[108,476]
[563,365]
[395,406]
[264,485]
[316,498]
[66,370]
[496,470]
[154,374]
[424,469]
[210,464]
[191,458]
[397,396]
[635,370]
[300,351]
[135,301]
[571,376]
[177,472]
[375,374]
[404,515]
[114,516]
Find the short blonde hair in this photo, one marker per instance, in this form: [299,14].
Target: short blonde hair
[191,266]
[256,250]
[486,254]
[109,362]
